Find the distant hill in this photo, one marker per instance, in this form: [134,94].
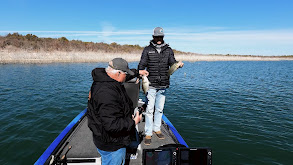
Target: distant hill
[32,42]
[17,48]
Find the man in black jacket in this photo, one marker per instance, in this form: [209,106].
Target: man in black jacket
[110,111]
[157,58]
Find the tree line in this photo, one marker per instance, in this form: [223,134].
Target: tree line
[32,42]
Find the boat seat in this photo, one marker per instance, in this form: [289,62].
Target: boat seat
[132,90]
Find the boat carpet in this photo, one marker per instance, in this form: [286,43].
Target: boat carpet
[156,142]
[82,144]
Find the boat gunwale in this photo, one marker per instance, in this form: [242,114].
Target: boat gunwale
[174,131]
[61,138]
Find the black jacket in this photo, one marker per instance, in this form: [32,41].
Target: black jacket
[109,112]
[157,64]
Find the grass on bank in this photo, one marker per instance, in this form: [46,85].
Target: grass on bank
[16,48]
[30,42]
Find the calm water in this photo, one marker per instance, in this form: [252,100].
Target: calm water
[242,110]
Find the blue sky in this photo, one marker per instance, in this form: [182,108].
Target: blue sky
[245,27]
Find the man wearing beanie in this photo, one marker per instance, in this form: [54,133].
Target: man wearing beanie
[156,58]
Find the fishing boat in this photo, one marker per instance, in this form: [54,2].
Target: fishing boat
[74,145]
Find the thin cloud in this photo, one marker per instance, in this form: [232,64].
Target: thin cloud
[108,33]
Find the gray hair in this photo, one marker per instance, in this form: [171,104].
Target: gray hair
[111,70]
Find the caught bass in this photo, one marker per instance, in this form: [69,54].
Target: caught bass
[145,84]
[174,67]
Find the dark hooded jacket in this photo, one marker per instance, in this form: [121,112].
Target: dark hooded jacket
[109,112]
[157,64]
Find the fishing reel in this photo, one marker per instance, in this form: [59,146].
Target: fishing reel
[57,159]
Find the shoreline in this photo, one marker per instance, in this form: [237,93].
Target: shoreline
[25,57]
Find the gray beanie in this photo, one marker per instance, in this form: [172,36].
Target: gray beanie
[158,31]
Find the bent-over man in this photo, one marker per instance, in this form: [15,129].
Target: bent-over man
[110,111]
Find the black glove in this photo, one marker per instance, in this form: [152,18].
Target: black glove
[142,109]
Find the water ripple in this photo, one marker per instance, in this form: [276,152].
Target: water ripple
[242,110]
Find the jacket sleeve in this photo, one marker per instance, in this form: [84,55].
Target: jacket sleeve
[111,113]
[143,60]
[171,59]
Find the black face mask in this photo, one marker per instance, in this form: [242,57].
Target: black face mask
[158,38]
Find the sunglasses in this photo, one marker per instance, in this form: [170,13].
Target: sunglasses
[158,37]
[123,72]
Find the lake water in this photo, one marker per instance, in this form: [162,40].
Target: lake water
[242,110]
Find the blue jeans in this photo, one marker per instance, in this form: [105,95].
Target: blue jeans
[113,157]
[117,157]
[155,100]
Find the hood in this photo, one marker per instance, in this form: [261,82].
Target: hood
[162,46]
[99,74]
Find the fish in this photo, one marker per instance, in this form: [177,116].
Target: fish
[145,84]
[174,67]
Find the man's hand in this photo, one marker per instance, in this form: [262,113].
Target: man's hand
[181,64]
[143,73]
[137,118]
[89,97]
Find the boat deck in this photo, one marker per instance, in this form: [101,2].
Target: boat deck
[83,147]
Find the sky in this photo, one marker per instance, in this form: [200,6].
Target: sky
[243,27]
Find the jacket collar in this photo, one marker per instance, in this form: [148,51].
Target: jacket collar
[162,46]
